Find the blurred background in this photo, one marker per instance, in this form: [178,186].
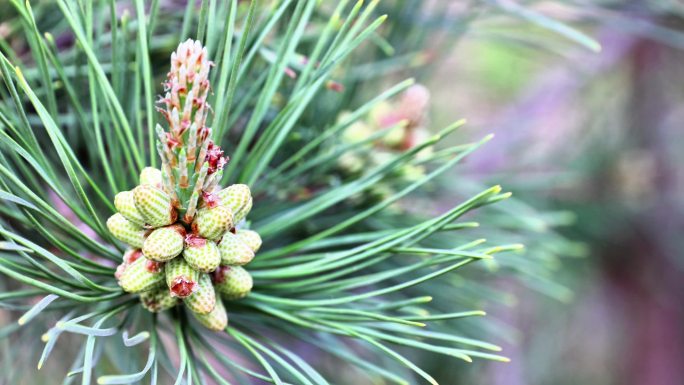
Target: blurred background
[600,134]
[592,139]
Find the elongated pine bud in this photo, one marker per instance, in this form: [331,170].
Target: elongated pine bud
[238,198]
[164,243]
[142,275]
[155,206]
[151,176]
[181,278]
[212,222]
[251,238]
[125,205]
[126,231]
[201,254]
[217,320]
[203,300]
[158,299]
[232,282]
[234,252]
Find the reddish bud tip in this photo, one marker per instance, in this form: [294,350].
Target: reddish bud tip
[209,199]
[183,287]
[193,240]
[153,267]
[215,158]
[132,257]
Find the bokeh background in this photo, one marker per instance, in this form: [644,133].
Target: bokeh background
[600,134]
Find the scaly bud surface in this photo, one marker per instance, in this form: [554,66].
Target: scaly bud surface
[203,300]
[181,278]
[201,254]
[238,198]
[158,299]
[217,320]
[212,222]
[155,205]
[164,243]
[251,238]
[125,205]
[234,252]
[141,275]
[126,231]
[233,282]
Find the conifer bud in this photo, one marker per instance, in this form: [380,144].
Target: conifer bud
[141,275]
[212,222]
[126,231]
[154,205]
[130,256]
[233,282]
[158,299]
[151,176]
[164,243]
[251,238]
[201,254]
[203,300]
[181,278]
[234,251]
[217,320]
[125,205]
[238,198]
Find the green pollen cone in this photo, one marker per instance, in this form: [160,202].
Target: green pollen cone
[157,300]
[203,300]
[151,176]
[251,238]
[234,251]
[125,204]
[212,222]
[201,254]
[238,198]
[141,275]
[154,205]
[216,320]
[233,282]
[126,231]
[181,278]
[164,243]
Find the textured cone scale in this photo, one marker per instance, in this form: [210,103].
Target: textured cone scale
[157,300]
[212,222]
[234,251]
[151,176]
[233,282]
[141,275]
[203,300]
[164,243]
[130,256]
[238,198]
[181,279]
[154,205]
[125,205]
[126,231]
[217,320]
[251,238]
[201,254]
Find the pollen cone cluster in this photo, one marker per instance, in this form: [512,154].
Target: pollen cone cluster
[187,235]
